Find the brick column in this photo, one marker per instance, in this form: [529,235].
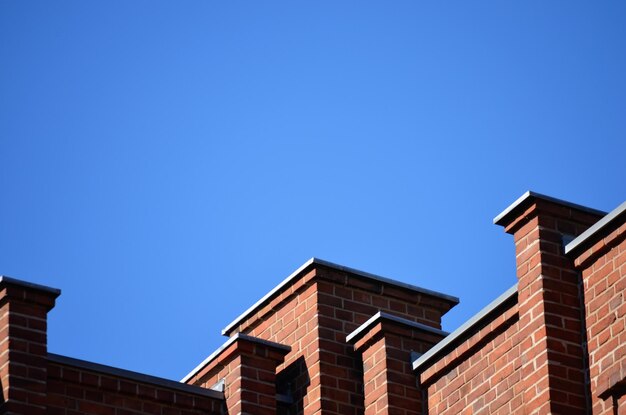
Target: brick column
[246,366]
[600,254]
[387,344]
[313,310]
[550,303]
[24,346]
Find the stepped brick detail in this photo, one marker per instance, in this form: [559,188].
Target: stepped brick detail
[332,340]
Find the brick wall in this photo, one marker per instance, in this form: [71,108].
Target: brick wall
[35,382]
[530,357]
[313,316]
[24,346]
[77,389]
[480,374]
[387,344]
[293,320]
[246,367]
[603,266]
[290,319]
[550,308]
[335,341]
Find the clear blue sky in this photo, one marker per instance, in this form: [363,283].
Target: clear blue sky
[167,163]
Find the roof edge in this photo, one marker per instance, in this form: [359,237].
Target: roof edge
[381,315]
[590,234]
[136,376]
[410,287]
[465,327]
[528,195]
[30,285]
[316,261]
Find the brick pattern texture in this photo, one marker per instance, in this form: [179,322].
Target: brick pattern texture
[390,383]
[23,348]
[557,346]
[530,358]
[604,274]
[73,391]
[323,373]
[551,313]
[482,374]
[248,371]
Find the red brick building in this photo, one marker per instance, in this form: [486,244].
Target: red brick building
[334,340]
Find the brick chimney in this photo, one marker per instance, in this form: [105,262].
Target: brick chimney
[24,309]
[554,366]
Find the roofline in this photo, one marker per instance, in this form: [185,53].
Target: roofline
[530,194]
[136,376]
[465,327]
[596,228]
[26,284]
[381,315]
[317,261]
[226,344]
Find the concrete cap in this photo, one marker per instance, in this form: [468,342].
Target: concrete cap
[528,197]
[380,316]
[29,285]
[320,262]
[465,328]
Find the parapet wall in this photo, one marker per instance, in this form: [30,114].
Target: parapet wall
[79,387]
[479,370]
[331,340]
[528,352]
[312,312]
